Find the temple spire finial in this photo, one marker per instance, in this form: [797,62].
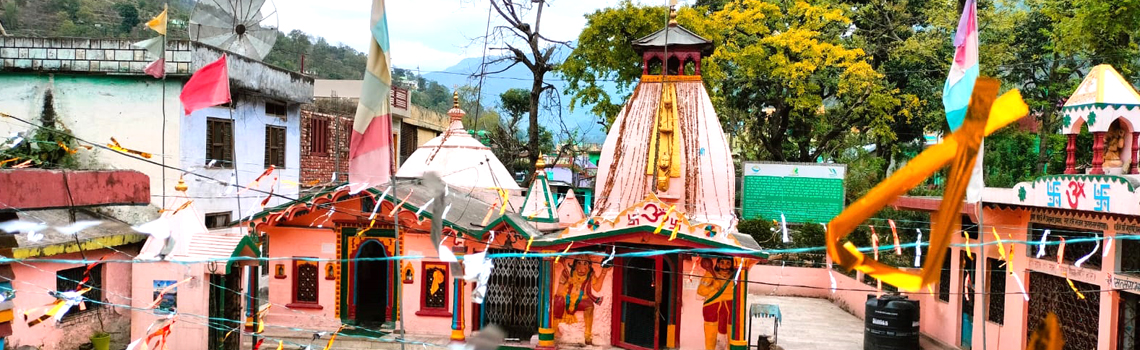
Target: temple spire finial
[456,113]
[673,15]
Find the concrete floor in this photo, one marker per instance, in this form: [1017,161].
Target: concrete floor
[810,324]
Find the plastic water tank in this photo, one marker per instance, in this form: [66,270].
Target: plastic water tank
[891,323]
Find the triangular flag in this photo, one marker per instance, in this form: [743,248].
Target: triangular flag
[156,69]
[158,23]
[153,46]
[208,87]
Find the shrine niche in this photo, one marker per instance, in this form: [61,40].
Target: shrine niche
[1116,146]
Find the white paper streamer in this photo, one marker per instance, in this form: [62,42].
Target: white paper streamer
[489,240]
[35,236]
[737,277]
[1041,246]
[230,185]
[77,226]
[611,257]
[1107,247]
[15,226]
[476,267]
[159,228]
[1020,285]
[830,273]
[918,249]
[378,201]
[445,254]
[445,210]
[1090,254]
[784,228]
[422,207]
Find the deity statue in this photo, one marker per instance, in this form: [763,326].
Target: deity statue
[575,293]
[714,288]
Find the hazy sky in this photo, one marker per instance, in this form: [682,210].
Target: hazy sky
[429,34]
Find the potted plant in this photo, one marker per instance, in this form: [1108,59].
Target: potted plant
[101,340]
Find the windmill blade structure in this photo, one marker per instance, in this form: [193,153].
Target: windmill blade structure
[244,27]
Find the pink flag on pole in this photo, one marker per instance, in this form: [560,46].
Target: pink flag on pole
[208,87]
[156,69]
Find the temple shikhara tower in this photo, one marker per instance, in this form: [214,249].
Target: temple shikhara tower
[667,141]
[665,181]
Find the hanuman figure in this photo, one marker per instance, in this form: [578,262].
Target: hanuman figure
[717,309]
[575,293]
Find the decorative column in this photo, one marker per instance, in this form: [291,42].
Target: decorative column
[1098,153]
[1071,155]
[1135,153]
[545,297]
[457,312]
[736,331]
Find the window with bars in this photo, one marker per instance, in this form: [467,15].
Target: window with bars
[274,146]
[944,278]
[275,109]
[1129,262]
[318,136]
[215,220]
[1073,250]
[997,272]
[1080,326]
[305,277]
[68,280]
[434,289]
[219,143]
[1128,328]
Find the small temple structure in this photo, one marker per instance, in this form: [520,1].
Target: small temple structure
[1109,107]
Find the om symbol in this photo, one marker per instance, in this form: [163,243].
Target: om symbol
[657,212]
[1075,193]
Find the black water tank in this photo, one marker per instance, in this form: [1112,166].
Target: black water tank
[891,323]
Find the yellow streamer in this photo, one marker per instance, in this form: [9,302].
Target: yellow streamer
[969,252]
[664,220]
[564,251]
[280,344]
[1074,287]
[959,150]
[333,338]
[528,242]
[1001,247]
[401,205]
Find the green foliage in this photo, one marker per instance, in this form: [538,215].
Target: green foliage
[321,59]
[759,229]
[604,54]
[129,16]
[1010,157]
[43,149]
[11,16]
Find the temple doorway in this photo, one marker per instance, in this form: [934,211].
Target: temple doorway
[645,307]
[372,284]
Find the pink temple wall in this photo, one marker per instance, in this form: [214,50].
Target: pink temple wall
[34,280]
[420,244]
[190,331]
[301,242]
[941,320]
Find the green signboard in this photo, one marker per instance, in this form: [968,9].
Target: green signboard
[803,192]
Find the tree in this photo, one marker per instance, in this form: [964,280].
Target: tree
[523,43]
[791,82]
[129,15]
[605,59]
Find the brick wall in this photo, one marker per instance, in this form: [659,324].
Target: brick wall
[320,167]
[88,55]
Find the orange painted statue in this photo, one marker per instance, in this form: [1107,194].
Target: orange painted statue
[575,293]
[717,292]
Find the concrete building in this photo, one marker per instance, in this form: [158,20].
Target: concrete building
[412,126]
[97,90]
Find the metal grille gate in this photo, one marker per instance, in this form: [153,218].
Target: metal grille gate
[1129,326]
[1080,319]
[512,295]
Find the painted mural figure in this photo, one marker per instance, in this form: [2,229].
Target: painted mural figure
[575,293]
[717,309]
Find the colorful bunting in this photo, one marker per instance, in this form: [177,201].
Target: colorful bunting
[895,233]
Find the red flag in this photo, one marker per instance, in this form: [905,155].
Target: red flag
[208,87]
